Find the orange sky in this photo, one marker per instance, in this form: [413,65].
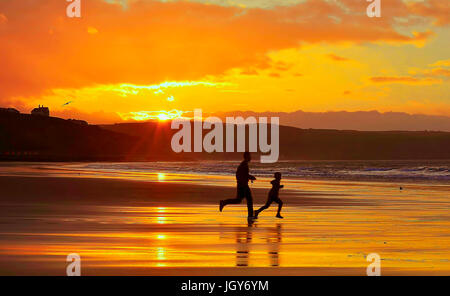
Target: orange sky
[138,56]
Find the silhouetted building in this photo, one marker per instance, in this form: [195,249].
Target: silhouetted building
[10,110]
[41,111]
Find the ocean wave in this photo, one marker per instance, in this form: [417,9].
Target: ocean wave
[369,170]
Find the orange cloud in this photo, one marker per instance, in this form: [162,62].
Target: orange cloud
[438,69]
[153,115]
[282,66]
[337,58]
[249,71]
[150,41]
[443,63]
[3,18]
[404,79]
[440,72]
[92,30]
[437,9]
[91,117]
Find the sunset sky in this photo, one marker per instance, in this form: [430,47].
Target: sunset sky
[126,59]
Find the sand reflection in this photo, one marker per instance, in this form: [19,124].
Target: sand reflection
[331,225]
[273,241]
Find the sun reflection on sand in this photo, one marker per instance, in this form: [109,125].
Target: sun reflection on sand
[408,229]
[161,177]
[161,220]
[161,253]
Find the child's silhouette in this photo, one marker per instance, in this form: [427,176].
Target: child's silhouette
[273,196]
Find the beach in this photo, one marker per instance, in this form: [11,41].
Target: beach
[167,222]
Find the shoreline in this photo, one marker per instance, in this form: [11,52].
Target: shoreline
[49,168]
[84,169]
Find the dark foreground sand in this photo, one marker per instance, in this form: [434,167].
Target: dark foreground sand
[123,192]
[172,226]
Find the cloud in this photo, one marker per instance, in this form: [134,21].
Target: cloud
[337,58]
[126,89]
[99,117]
[443,63]
[153,115]
[150,41]
[3,19]
[282,66]
[92,30]
[248,3]
[440,72]
[435,72]
[438,69]
[437,9]
[249,71]
[404,80]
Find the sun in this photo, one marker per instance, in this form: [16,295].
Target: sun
[163,117]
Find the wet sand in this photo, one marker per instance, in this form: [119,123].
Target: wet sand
[169,224]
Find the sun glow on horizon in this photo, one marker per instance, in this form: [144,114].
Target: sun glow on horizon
[161,177]
[161,115]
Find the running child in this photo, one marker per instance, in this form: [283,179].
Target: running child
[273,196]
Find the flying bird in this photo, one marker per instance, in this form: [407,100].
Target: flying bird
[67,103]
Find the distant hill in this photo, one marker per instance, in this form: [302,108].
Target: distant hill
[311,144]
[33,137]
[25,137]
[359,120]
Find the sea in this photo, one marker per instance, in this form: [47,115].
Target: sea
[434,171]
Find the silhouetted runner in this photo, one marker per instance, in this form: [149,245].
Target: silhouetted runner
[273,196]
[243,191]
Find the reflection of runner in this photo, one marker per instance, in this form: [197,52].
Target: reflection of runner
[273,241]
[243,242]
[273,196]
[244,238]
[243,191]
